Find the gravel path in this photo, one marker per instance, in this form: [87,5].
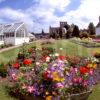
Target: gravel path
[9,48]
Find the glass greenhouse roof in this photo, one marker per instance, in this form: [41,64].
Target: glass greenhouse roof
[9,28]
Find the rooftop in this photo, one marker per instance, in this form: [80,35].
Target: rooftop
[9,28]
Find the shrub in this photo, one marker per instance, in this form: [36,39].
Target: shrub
[84,35]
[3,70]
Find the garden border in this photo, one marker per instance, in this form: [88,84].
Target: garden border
[83,44]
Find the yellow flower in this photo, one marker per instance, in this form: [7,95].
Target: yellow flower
[92,65]
[89,65]
[56,77]
[49,98]
[61,79]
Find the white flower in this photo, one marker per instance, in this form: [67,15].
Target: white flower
[32,69]
[37,63]
[66,61]
[47,59]
[45,69]
[60,61]
[61,48]
[54,65]
[56,54]
[50,55]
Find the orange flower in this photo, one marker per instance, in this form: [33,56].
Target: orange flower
[56,77]
[48,97]
[92,65]
[30,50]
[27,62]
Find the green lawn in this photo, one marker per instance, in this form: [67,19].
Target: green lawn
[69,48]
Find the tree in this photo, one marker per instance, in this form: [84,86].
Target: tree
[91,29]
[42,32]
[60,32]
[76,31]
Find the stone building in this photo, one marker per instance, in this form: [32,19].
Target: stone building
[98,28]
[63,27]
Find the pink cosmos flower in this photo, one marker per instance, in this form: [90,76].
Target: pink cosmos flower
[30,89]
[59,85]
[85,83]
[76,70]
[91,72]
[80,79]
[14,77]
[75,80]
[71,69]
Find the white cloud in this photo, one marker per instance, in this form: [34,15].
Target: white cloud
[89,9]
[43,14]
[16,16]
[57,4]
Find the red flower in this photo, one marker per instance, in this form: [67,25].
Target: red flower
[46,76]
[27,62]
[84,70]
[44,58]
[16,65]
[61,57]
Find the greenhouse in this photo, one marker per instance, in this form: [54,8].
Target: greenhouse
[13,33]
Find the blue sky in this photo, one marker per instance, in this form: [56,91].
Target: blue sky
[40,14]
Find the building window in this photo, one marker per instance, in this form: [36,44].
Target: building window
[11,34]
[1,37]
[20,33]
[7,35]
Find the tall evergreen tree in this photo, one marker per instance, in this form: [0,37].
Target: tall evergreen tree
[91,29]
[76,31]
[60,32]
[42,32]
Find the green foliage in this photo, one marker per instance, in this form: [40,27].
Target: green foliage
[76,31]
[84,35]
[91,28]
[3,70]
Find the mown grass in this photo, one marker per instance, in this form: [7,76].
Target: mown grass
[69,48]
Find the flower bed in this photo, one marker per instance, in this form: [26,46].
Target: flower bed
[85,42]
[47,74]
